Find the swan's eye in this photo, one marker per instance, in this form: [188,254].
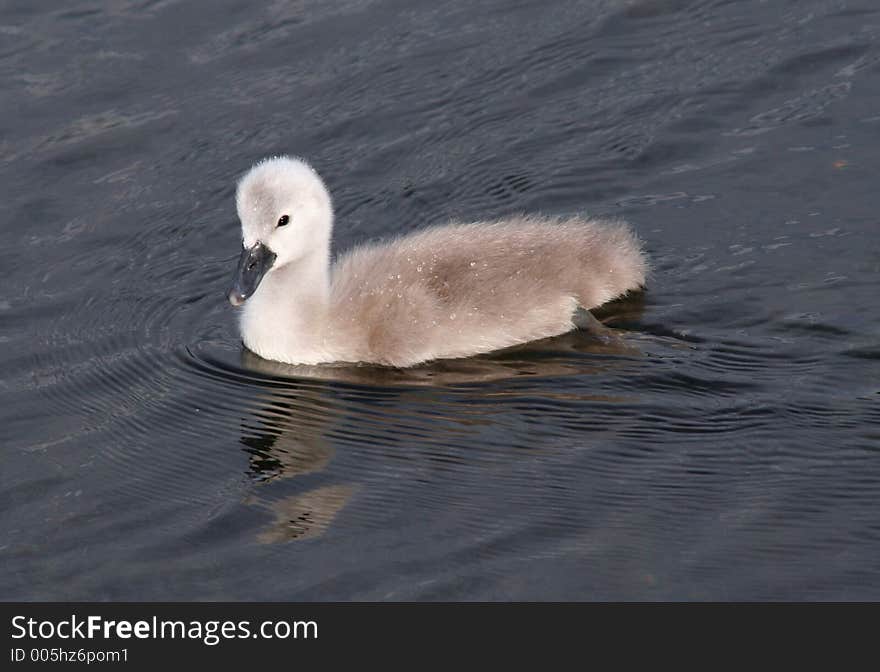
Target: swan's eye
[284,220]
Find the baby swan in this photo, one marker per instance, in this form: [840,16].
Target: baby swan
[443,292]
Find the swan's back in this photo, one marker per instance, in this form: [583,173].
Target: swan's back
[455,290]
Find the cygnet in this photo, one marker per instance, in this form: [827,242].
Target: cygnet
[442,292]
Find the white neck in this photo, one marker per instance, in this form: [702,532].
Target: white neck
[284,318]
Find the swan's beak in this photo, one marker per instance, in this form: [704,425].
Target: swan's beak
[252,266]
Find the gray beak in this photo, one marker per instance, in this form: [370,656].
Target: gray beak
[252,266]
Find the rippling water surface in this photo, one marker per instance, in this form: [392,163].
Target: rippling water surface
[722,441]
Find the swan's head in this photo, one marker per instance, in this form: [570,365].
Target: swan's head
[286,216]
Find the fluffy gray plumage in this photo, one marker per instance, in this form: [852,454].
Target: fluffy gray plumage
[443,292]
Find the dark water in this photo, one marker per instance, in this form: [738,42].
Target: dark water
[724,445]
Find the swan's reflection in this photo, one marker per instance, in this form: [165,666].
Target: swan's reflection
[287,436]
[306,515]
[284,439]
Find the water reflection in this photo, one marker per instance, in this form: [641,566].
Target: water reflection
[285,439]
[306,515]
